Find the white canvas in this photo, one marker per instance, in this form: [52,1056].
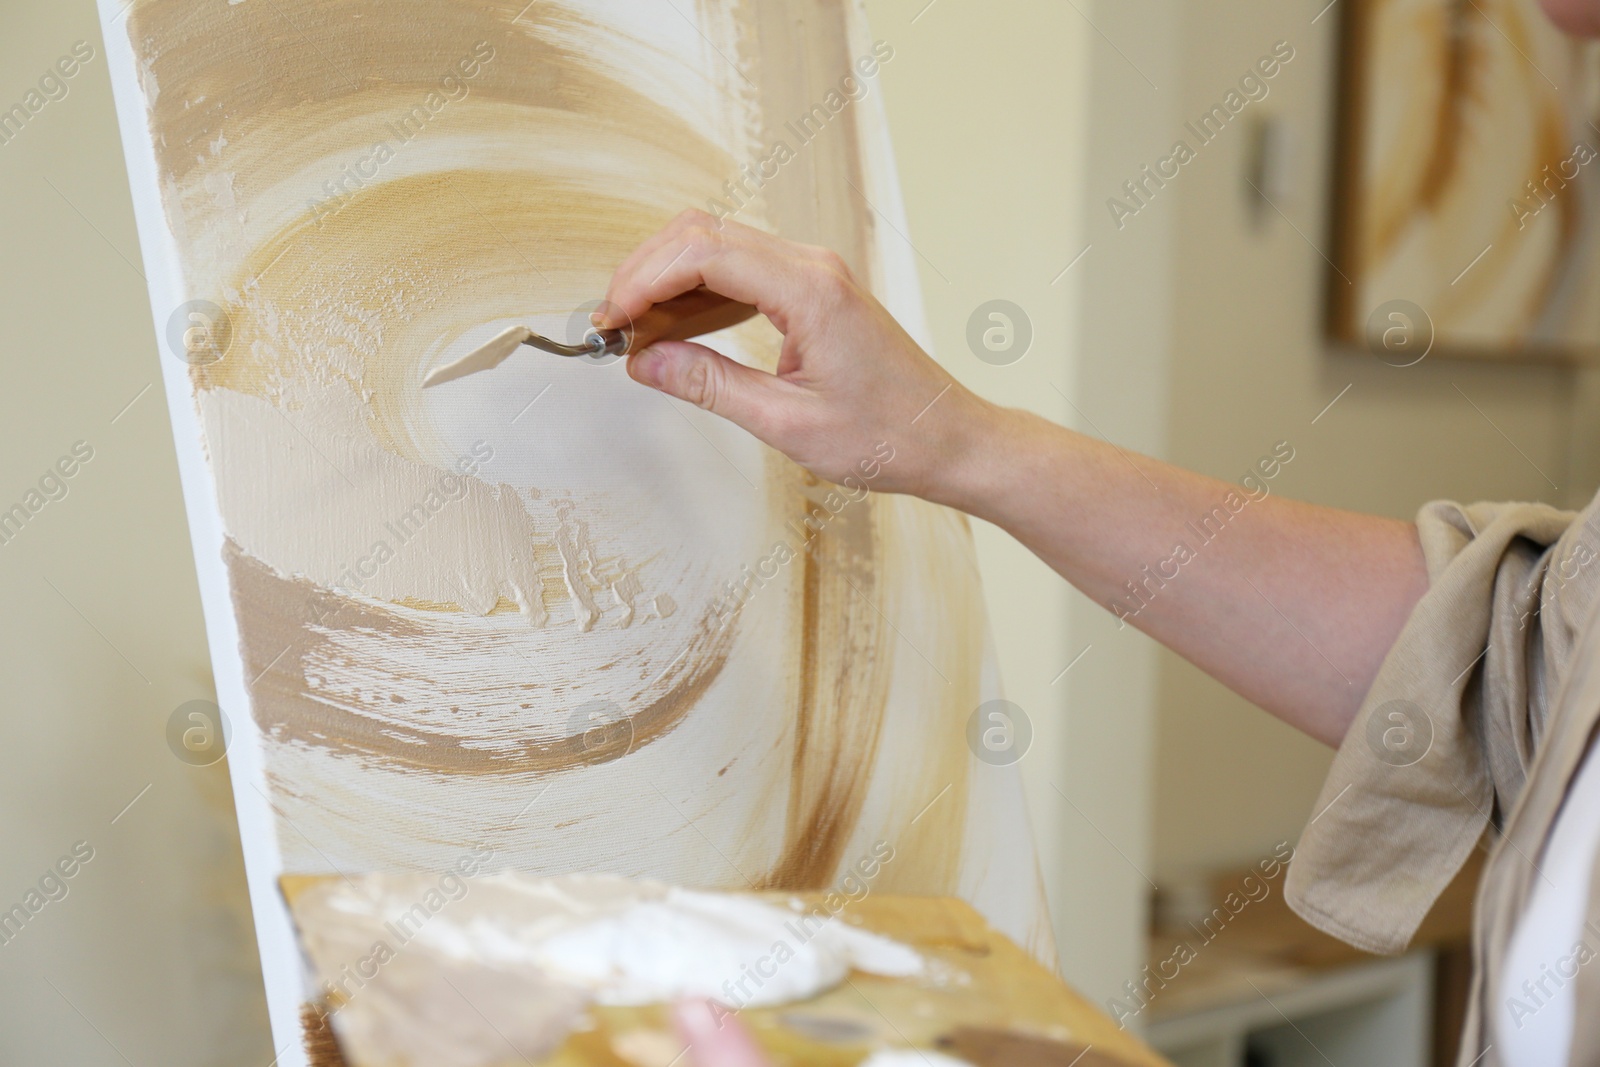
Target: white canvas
[541,611]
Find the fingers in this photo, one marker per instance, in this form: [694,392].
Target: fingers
[734,260]
[630,267]
[667,233]
[676,233]
[715,1037]
[750,398]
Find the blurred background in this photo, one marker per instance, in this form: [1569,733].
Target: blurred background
[1219,311]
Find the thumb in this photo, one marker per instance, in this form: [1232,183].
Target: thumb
[742,395]
[716,1036]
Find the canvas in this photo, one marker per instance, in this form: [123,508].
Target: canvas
[542,616]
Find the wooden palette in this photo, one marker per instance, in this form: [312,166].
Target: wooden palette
[993,1005]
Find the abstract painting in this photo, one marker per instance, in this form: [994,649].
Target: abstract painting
[541,618]
[1468,186]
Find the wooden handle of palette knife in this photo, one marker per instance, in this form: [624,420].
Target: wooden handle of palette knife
[697,312]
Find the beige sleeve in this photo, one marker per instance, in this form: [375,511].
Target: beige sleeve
[1443,740]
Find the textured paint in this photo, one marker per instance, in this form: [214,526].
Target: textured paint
[544,611]
[332,685]
[530,954]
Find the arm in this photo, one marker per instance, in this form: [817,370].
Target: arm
[1292,606]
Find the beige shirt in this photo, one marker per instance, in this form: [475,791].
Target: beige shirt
[1477,723]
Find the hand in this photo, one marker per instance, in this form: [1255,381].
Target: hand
[851,386]
[715,1037]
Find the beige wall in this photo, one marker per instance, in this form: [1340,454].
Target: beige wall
[1003,115]
[1250,369]
[149,955]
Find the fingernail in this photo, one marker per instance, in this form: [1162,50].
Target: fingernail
[647,367]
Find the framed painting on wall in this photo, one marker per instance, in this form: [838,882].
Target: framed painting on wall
[1467,208]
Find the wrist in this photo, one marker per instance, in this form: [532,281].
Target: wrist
[976,457]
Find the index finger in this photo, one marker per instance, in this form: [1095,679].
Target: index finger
[674,229]
[736,261]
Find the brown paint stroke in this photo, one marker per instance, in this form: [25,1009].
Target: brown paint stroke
[1464,59]
[1417,179]
[802,50]
[287,615]
[316,1035]
[1463,94]
[845,667]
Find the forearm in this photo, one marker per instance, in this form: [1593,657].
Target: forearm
[1291,605]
